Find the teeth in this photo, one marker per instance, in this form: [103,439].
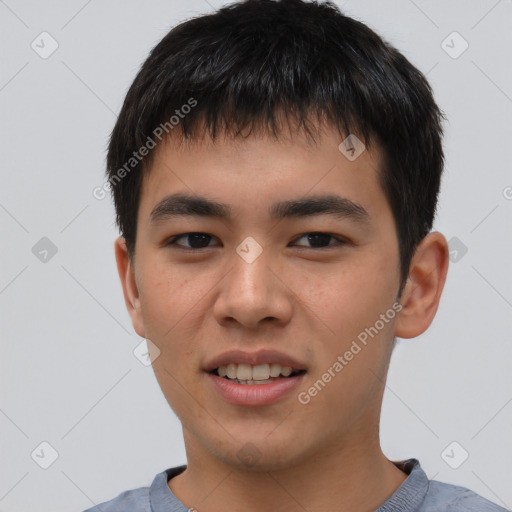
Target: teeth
[231,371]
[259,372]
[244,372]
[286,371]
[275,370]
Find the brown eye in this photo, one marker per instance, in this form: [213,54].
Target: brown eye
[195,240]
[321,240]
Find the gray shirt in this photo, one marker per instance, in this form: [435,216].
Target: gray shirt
[416,494]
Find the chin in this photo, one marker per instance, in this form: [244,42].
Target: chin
[262,456]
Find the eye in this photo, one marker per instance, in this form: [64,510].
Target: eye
[320,240]
[196,240]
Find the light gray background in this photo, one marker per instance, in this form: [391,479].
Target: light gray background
[68,373]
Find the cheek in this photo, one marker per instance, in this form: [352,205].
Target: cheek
[347,306]
[174,304]
[347,298]
[167,291]
[167,307]
[165,299]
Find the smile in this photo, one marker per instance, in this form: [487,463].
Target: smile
[254,393]
[261,373]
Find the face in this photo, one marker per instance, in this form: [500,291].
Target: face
[311,281]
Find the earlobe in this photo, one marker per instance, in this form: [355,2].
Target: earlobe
[422,292]
[130,290]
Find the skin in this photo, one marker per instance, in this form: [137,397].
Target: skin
[305,301]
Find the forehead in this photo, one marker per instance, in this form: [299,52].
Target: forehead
[260,169]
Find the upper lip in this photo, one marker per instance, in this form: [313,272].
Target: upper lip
[253,358]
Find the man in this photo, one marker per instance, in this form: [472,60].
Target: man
[275,169]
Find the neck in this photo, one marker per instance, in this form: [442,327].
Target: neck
[355,478]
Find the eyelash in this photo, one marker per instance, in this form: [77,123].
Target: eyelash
[172,241]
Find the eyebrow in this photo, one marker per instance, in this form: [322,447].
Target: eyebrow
[180,204]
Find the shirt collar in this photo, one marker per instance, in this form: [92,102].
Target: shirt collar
[161,497]
[408,497]
[411,493]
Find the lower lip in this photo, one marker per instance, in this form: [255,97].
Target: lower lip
[254,394]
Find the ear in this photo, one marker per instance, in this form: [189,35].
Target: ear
[422,291]
[131,293]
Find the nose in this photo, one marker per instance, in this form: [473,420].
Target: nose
[254,293]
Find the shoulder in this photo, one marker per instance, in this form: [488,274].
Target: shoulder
[419,494]
[140,499]
[134,500]
[454,498]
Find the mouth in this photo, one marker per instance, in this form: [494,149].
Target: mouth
[247,374]
[254,378]
[255,385]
